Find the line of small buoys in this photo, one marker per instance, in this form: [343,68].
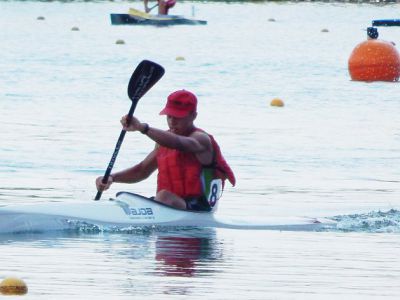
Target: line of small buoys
[13,286]
[76,28]
[277,102]
[374,60]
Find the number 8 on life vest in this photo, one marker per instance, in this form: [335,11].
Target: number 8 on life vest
[215,191]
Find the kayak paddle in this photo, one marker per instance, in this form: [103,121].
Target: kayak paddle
[146,74]
[154,6]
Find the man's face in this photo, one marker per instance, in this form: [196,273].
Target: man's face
[181,125]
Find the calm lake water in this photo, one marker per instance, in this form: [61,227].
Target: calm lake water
[331,151]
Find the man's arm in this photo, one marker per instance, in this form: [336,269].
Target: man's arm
[197,142]
[146,7]
[134,174]
[138,172]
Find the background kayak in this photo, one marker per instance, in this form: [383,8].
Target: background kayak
[137,17]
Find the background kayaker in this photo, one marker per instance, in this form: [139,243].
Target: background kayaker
[163,6]
[191,168]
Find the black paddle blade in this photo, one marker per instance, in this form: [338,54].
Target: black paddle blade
[146,74]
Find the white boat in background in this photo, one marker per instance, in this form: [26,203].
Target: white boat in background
[129,210]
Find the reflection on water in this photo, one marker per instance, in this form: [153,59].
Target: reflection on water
[183,255]
[172,253]
[178,254]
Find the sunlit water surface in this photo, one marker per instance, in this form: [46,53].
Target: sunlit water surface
[332,151]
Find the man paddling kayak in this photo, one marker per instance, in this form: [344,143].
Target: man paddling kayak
[191,168]
[163,6]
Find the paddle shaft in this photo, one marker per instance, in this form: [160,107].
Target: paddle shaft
[154,6]
[112,161]
[115,154]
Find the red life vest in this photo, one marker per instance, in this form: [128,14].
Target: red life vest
[180,172]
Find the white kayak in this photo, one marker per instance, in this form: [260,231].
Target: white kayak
[129,210]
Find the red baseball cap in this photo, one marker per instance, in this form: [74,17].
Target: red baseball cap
[180,104]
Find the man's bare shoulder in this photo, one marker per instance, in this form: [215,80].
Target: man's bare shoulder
[203,139]
[200,136]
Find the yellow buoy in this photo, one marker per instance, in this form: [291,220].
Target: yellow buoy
[179,58]
[277,102]
[13,286]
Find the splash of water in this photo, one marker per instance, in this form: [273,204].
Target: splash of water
[375,221]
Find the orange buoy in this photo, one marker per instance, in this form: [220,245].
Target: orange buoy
[277,102]
[374,60]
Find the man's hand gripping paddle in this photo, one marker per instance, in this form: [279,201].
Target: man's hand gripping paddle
[146,74]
